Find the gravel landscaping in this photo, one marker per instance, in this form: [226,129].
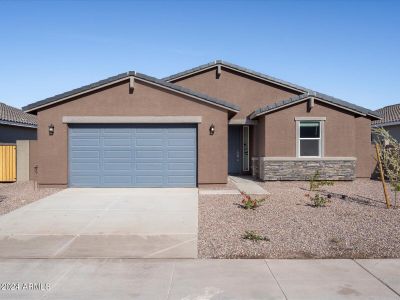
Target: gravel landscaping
[354,224]
[15,195]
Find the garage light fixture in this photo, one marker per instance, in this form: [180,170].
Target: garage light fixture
[212,129]
[51,129]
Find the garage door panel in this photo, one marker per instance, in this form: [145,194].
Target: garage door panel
[149,142]
[117,180]
[181,166]
[140,166]
[85,154]
[85,180]
[82,142]
[172,180]
[132,155]
[152,154]
[85,166]
[149,180]
[181,142]
[107,142]
[120,154]
[117,166]
[181,154]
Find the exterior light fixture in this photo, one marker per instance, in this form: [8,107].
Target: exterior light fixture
[212,129]
[51,129]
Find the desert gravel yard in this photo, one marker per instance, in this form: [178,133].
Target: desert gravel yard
[17,194]
[355,226]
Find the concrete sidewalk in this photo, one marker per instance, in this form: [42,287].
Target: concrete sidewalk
[201,279]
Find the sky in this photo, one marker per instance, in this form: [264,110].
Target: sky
[347,49]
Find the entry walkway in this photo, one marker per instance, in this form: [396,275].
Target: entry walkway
[201,279]
[248,185]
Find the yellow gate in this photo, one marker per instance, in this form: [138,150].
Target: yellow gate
[8,163]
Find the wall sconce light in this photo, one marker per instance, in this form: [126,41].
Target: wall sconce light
[51,129]
[212,129]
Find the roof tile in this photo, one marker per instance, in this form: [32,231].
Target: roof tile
[14,116]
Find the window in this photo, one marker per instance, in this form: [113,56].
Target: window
[309,139]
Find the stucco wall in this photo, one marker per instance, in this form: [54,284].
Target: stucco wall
[146,100]
[247,92]
[280,128]
[345,134]
[10,134]
[394,131]
[33,160]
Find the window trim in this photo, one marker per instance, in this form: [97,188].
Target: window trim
[321,121]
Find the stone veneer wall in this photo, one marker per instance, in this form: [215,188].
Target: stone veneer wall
[272,168]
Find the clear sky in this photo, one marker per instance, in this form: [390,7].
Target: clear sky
[347,49]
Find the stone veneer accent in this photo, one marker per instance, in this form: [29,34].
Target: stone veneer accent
[287,168]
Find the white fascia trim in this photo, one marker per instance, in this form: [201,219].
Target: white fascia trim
[239,71]
[131,119]
[138,79]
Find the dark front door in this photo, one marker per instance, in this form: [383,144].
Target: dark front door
[234,150]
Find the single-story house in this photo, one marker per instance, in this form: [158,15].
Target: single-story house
[196,127]
[16,125]
[390,120]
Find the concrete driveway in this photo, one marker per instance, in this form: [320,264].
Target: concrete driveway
[104,223]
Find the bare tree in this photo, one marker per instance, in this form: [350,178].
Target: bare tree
[390,157]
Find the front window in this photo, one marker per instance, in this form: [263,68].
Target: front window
[310,139]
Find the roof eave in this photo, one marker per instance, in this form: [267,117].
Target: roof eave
[238,69]
[122,77]
[10,123]
[259,112]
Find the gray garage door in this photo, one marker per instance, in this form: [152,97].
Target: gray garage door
[132,155]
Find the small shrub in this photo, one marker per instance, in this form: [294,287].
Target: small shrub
[316,182]
[252,236]
[319,201]
[250,203]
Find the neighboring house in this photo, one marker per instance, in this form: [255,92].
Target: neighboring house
[390,120]
[196,127]
[16,125]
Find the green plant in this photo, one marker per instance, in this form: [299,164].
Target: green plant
[250,203]
[316,182]
[318,200]
[252,236]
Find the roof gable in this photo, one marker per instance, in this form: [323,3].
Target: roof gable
[127,76]
[15,117]
[239,69]
[320,97]
[305,92]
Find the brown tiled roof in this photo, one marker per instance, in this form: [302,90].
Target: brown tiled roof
[14,116]
[389,114]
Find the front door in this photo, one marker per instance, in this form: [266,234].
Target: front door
[234,149]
